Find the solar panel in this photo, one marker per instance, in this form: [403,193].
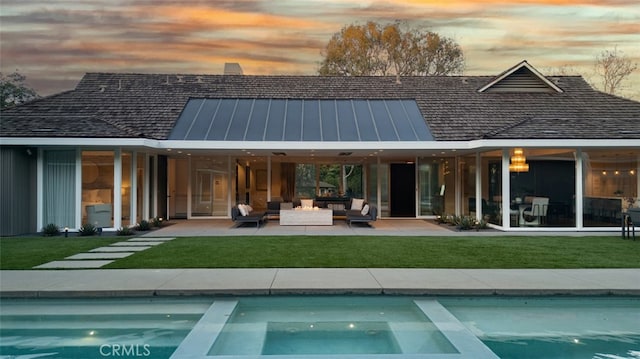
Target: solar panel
[327,120]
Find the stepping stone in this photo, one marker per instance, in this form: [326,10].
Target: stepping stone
[133,244]
[98,255]
[150,239]
[74,264]
[120,249]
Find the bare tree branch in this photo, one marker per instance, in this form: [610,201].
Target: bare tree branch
[613,67]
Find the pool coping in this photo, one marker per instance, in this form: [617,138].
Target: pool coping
[314,281]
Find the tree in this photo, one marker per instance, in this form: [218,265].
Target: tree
[373,49]
[14,91]
[613,67]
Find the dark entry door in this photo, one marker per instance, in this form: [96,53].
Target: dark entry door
[402,201]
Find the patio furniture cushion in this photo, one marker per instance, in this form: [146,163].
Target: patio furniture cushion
[365,210]
[243,209]
[357,203]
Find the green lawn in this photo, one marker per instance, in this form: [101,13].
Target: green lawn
[388,252]
[27,252]
[342,251]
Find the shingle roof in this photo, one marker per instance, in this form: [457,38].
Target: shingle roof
[148,105]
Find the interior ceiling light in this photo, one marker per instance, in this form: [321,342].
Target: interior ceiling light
[518,161]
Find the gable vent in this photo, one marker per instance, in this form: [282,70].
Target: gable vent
[522,80]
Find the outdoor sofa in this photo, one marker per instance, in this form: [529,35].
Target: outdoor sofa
[247,215]
[341,208]
[339,205]
[362,216]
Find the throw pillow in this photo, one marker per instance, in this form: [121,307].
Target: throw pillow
[357,203]
[365,210]
[243,209]
[306,203]
[249,209]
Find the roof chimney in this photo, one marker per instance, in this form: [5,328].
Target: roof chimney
[232,68]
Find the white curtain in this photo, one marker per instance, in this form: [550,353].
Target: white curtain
[59,188]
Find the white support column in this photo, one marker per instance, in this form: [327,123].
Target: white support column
[168,189]
[40,189]
[78,206]
[506,190]
[479,213]
[147,195]
[117,188]
[134,188]
[637,169]
[416,180]
[378,188]
[189,190]
[230,187]
[154,211]
[579,195]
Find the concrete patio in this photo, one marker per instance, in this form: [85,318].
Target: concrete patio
[381,227]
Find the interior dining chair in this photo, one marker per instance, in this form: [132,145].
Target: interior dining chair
[537,213]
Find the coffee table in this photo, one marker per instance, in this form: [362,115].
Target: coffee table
[306,217]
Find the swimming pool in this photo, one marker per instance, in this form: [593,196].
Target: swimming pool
[322,327]
[96,328]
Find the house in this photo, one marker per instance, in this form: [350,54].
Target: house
[120,148]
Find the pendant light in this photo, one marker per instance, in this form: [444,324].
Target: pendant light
[518,161]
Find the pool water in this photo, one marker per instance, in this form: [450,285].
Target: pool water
[329,325]
[322,327]
[286,338]
[96,328]
[554,328]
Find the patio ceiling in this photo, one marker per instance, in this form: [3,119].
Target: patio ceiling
[319,156]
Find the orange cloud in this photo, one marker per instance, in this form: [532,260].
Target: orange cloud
[200,16]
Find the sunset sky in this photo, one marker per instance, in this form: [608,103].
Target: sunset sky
[55,42]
